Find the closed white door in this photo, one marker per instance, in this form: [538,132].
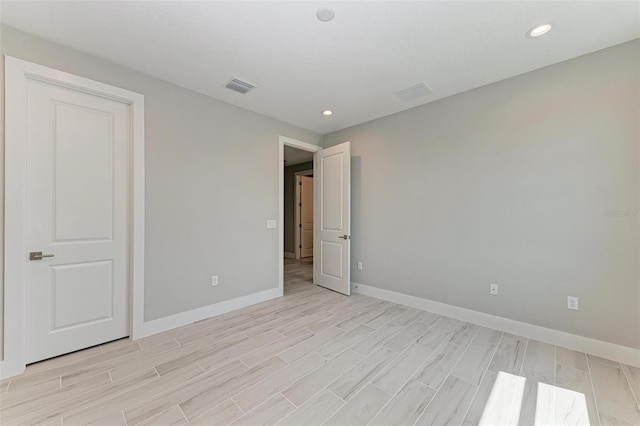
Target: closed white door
[332,176]
[77,225]
[306,216]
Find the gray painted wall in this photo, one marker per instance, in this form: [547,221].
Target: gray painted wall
[510,184]
[203,215]
[290,204]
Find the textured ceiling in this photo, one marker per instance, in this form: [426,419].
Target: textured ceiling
[353,65]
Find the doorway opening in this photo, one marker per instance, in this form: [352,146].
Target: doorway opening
[298,218]
[331,213]
[297,153]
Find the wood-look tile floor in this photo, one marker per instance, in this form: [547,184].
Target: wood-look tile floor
[317,357]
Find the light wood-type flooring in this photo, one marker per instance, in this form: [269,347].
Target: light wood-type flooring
[318,357]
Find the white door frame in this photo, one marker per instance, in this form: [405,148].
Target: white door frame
[282,141]
[298,237]
[17,72]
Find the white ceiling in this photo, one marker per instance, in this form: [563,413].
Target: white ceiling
[352,65]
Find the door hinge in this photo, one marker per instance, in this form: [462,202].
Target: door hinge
[300,183]
[300,204]
[300,246]
[300,225]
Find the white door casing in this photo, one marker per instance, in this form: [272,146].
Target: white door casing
[306,216]
[332,177]
[20,78]
[282,141]
[77,196]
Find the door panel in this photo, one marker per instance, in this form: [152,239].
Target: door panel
[91,283]
[332,192]
[82,212]
[331,260]
[332,174]
[306,216]
[78,174]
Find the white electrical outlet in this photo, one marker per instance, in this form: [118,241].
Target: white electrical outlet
[272,223]
[493,289]
[573,303]
[214,280]
[359,266]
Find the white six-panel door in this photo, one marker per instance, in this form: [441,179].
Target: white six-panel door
[77,203]
[332,178]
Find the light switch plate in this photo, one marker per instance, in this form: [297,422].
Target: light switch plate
[272,223]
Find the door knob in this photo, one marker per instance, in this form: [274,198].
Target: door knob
[344,237]
[37,255]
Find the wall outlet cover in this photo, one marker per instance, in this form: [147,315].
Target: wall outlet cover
[214,280]
[493,289]
[573,303]
[272,223]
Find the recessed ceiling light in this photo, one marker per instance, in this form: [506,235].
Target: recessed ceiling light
[327,112]
[325,15]
[539,30]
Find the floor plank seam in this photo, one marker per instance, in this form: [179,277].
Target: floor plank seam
[243,363]
[628,381]
[285,397]
[166,392]
[336,395]
[181,412]
[524,358]
[370,382]
[593,389]
[410,377]
[256,408]
[444,342]
[484,373]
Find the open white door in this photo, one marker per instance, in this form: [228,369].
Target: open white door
[332,210]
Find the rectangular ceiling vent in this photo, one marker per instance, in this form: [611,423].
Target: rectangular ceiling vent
[239,86]
[414,92]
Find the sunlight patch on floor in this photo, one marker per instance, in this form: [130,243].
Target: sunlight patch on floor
[559,406]
[554,405]
[503,406]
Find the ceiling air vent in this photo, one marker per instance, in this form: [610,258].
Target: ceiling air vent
[239,86]
[414,92]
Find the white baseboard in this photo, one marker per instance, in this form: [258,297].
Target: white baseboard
[184,318]
[149,328]
[599,348]
[289,255]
